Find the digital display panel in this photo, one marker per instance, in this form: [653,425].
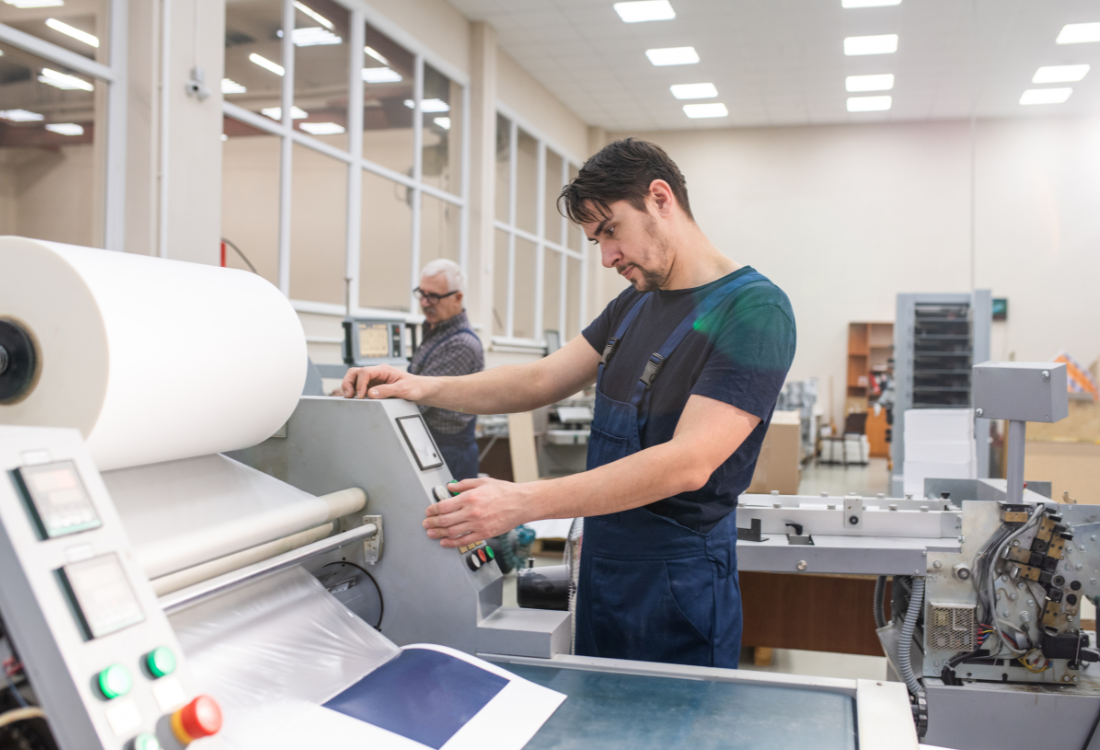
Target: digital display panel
[420,441]
[374,340]
[102,595]
[57,499]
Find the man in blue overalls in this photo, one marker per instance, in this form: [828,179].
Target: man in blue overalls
[688,363]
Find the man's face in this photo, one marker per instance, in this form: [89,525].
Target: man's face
[631,243]
[446,308]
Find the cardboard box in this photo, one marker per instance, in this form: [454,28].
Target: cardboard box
[779,466]
[1072,467]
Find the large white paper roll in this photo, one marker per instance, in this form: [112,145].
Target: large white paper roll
[152,360]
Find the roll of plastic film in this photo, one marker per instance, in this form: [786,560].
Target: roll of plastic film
[151,359]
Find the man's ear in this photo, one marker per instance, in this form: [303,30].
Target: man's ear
[660,192]
[459,297]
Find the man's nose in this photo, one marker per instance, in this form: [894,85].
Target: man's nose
[609,255]
[425,302]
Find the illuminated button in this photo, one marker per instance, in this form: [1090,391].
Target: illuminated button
[473,561]
[453,491]
[201,717]
[440,493]
[160,662]
[114,681]
[146,741]
[489,552]
[483,556]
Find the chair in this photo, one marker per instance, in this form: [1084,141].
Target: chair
[855,426]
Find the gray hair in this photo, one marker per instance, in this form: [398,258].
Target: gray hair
[456,280]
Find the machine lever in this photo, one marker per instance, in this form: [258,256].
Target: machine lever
[751,534]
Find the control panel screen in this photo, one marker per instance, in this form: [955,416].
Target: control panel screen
[101,595]
[57,499]
[420,441]
[374,340]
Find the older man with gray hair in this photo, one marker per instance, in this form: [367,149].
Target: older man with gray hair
[450,347]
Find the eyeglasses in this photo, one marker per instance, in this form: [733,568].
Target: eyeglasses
[433,299]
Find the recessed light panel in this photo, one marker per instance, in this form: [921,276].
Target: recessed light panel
[694,91]
[313,36]
[429,105]
[883,82]
[65,128]
[1045,96]
[263,62]
[645,10]
[321,128]
[35,3]
[64,81]
[20,115]
[869,103]
[380,75]
[443,122]
[673,56]
[1078,33]
[697,111]
[1060,73]
[276,113]
[75,33]
[314,15]
[376,55]
[867,3]
[882,44]
[229,86]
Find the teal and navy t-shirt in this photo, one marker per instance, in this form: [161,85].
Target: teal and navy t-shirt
[740,355]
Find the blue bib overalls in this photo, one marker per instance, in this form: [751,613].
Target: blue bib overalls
[650,588]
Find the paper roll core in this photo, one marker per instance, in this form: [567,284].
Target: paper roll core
[19,361]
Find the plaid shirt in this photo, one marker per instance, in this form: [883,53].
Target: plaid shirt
[461,354]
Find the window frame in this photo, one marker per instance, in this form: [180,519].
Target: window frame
[539,238]
[356,164]
[113,74]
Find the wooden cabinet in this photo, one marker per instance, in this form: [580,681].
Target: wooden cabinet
[870,346]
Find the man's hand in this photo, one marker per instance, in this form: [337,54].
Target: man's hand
[484,508]
[383,381]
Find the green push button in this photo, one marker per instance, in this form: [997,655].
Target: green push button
[160,661]
[489,552]
[453,481]
[114,681]
[146,741]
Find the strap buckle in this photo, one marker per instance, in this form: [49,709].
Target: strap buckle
[608,351]
[652,368]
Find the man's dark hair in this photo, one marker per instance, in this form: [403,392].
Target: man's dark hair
[622,170]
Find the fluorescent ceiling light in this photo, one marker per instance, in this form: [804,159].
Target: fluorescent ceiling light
[313,36]
[35,3]
[1077,33]
[20,115]
[673,56]
[321,128]
[380,75]
[314,15]
[263,62]
[64,81]
[645,10]
[443,122]
[77,34]
[225,137]
[882,82]
[229,86]
[869,103]
[65,128]
[867,3]
[376,55]
[276,113]
[1045,96]
[1060,73]
[883,44]
[696,111]
[429,105]
[694,91]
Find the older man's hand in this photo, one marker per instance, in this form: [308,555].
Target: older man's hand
[484,508]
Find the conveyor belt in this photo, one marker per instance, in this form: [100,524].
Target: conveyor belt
[611,711]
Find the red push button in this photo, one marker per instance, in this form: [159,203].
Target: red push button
[483,556]
[201,717]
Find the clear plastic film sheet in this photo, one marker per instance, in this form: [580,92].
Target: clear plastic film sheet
[270,653]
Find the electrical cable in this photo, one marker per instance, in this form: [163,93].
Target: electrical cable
[880,607]
[31,712]
[1092,731]
[381,602]
[243,256]
[17,695]
[905,644]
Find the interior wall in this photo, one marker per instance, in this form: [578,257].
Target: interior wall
[844,218]
[50,194]
[436,24]
[537,106]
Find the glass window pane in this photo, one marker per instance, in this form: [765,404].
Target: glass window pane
[441,160]
[553,190]
[250,197]
[388,76]
[318,227]
[504,127]
[526,265]
[254,55]
[82,27]
[573,320]
[439,229]
[385,244]
[527,159]
[51,152]
[551,286]
[501,276]
[321,61]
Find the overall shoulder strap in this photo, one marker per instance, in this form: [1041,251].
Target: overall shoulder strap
[609,348]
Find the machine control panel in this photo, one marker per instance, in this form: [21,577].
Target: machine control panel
[477,554]
[99,653]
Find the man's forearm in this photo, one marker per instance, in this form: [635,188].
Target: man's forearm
[501,390]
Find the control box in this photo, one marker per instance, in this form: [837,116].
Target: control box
[1021,391]
[373,342]
[99,652]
